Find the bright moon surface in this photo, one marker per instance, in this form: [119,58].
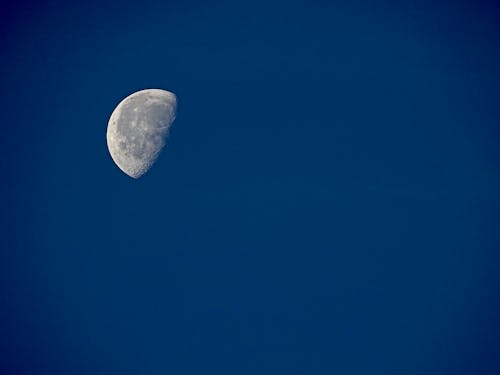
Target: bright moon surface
[138,128]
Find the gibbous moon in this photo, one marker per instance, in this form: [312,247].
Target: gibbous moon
[138,128]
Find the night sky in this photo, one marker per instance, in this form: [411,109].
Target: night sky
[327,201]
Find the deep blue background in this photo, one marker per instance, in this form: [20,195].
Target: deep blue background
[327,203]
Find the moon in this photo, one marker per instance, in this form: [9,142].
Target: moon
[138,128]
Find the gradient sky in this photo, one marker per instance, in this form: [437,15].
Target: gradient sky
[327,202]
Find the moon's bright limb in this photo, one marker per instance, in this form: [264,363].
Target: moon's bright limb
[138,128]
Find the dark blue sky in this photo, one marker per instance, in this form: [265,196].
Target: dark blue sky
[327,203]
